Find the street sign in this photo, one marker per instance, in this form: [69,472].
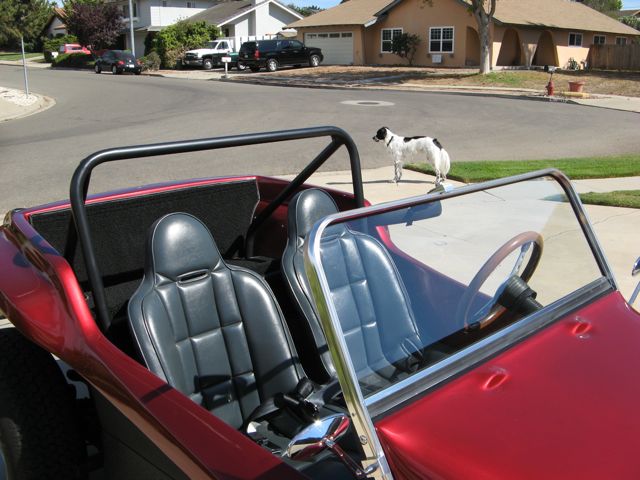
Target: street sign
[226,59]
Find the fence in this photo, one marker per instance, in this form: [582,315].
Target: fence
[614,57]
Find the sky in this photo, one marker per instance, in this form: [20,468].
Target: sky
[626,4]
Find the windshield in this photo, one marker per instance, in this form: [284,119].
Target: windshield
[212,45]
[414,285]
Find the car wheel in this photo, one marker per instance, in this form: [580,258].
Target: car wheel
[272,65]
[314,60]
[39,433]
[207,64]
[255,69]
[137,72]
[98,68]
[241,67]
[114,69]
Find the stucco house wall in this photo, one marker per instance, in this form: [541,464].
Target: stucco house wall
[416,17]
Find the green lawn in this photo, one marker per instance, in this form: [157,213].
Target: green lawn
[17,56]
[618,198]
[574,168]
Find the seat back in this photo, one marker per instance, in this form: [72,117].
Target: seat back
[372,302]
[305,209]
[211,331]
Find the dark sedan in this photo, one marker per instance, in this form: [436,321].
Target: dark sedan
[118,61]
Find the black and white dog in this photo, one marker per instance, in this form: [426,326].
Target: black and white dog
[403,148]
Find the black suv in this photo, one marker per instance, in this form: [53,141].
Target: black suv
[271,54]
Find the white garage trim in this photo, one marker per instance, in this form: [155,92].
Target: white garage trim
[337,47]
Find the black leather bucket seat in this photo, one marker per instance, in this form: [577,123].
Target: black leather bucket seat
[212,331]
[372,302]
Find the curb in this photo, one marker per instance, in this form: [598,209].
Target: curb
[43,103]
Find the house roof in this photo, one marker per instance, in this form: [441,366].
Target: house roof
[627,13]
[353,12]
[562,14]
[227,10]
[57,13]
[558,14]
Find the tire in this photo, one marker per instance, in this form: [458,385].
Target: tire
[98,68]
[207,64]
[272,65]
[241,67]
[137,72]
[255,69]
[114,70]
[314,61]
[39,434]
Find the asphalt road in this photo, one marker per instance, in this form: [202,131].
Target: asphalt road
[93,112]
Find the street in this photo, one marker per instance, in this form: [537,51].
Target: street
[93,112]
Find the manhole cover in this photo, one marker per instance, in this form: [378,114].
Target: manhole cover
[367,103]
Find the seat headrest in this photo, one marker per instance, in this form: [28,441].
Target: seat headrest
[306,208]
[180,244]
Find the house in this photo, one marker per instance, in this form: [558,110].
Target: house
[55,27]
[151,16]
[242,19]
[523,32]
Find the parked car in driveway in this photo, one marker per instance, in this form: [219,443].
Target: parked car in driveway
[273,54]
[118,61]
[70,48]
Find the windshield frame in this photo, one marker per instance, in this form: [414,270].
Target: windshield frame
[364,410]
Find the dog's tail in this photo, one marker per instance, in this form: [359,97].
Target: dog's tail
[437,143]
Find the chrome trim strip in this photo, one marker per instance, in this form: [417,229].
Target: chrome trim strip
[341,359]
[400,392]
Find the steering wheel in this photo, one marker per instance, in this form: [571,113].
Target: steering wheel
[522,241]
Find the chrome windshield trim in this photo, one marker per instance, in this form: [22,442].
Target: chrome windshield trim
[360,417]
[384,400]
[362,411]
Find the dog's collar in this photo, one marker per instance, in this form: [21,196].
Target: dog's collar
[390,140]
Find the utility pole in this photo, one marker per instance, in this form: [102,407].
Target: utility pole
[133,43]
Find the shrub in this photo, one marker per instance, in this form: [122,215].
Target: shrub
[73,60]
[173,41]
[150,62]
[405,46]
[53,44]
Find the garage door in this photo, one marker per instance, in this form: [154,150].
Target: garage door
[337,47]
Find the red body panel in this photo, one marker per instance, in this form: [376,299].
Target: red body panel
[561,404]
[40,294]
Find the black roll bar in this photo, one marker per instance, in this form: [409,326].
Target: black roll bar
[82,176]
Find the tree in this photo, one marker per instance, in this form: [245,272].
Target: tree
[173,41]
[97,25]
[24,18]
[482,11]
[633,22]
[305,11]
[405,46]
[604,6]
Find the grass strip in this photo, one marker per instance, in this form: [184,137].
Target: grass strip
[617,198]
[17,56]
[574,168]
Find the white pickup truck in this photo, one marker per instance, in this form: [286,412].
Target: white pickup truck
[211,55]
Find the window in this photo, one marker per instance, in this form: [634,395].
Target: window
[191,4]
[575,39]
[296,44]
[599,39]
[223,46]
[347,35]
[388,34]
[323,35]
[334,35]
[441,40]
[621,40]
[311,35]
[125,10]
